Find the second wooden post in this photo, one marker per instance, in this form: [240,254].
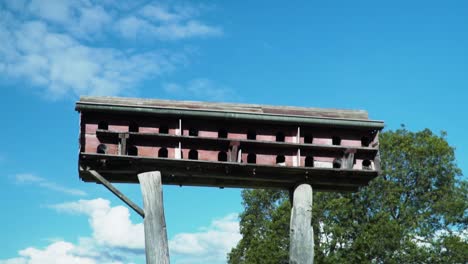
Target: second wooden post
[156,247]
[301,234]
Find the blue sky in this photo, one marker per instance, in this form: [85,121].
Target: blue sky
[405,62]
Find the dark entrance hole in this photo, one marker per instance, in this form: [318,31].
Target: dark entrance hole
[133,127]
[280,137]
[252,158]
[193,132]
[103,125]
[132,151]
[280,159]
[193,154]
[309,161]
[337,164]
[365,141]
[252,135]
[336,141]
[366,164]
[308,139]
[163,129]
[222,133]
[163,153]
[222,156]
[101,149]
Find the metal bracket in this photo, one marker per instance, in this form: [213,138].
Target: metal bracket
[115,191]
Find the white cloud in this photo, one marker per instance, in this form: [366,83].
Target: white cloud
[58,252]
[165,22]
[64,66]
[111,225]
[209,245]
[27,178]
[200,89]
[137,27]
[93,20]
[52,10]
[191,28]
[115,239]
[73,48]
[157,12]
[14,261]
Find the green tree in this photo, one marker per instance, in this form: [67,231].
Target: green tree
[415,212]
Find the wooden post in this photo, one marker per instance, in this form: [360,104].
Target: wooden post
[301,249]
[156,246]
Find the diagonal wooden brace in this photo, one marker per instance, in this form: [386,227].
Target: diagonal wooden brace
[115,191]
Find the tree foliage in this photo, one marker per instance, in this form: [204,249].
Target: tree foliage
[415,212]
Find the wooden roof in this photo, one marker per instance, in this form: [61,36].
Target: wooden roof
[266,113]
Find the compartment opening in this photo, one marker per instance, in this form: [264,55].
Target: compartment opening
[132,151]
[222,133]
[336,141]
[308,139]
[163,129]
[193,154]
[365,141]
[280,137]
[366,164]
[133,127]
[252,158]
[222,156]
[193,132]
[101,149]
[103,125]
[337,164]
[280,159]
[163,153]
[309,161]
[252,135]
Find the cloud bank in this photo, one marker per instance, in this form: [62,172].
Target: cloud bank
[115,239]
[27,178]
[68,48]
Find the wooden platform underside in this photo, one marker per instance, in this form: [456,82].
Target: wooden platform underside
[124,169]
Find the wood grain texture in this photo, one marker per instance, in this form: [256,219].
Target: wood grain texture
[147,138]
[301,250]
[222,174]
[156,245]
[227,107]
[115,191]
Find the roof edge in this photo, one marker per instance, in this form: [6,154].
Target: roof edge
[231,115]
[228,107]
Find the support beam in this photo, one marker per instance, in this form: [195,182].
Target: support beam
[115,191]
[156,246]
[123,137]
[301,249]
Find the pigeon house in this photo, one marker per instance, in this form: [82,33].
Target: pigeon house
[227,145]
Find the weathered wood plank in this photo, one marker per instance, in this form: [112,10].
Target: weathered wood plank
[156,245]
[227,107]
[301,250]
[115,191]
[195,172]
[324,150]
[232,183]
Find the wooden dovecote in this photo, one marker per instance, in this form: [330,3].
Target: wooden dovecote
[227,145]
